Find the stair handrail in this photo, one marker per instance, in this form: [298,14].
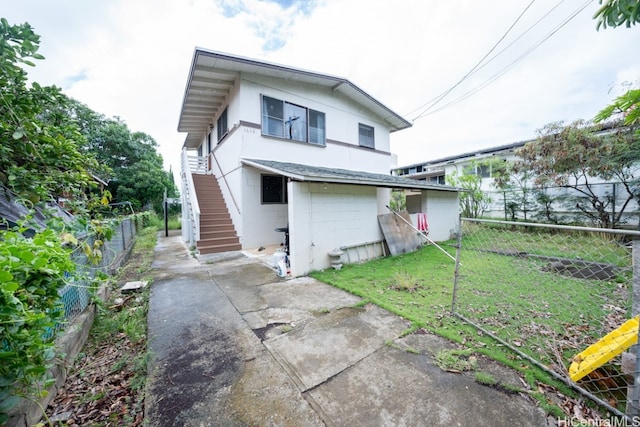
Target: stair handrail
[224,178]
[192,197]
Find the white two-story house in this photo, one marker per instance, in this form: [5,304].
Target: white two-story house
[270,147]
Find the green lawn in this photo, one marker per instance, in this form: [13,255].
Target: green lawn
[547,315]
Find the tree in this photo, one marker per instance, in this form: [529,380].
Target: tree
[138,174]
[473,201]
[615,13]
[579,157]
[398,201]
[39,149]
[627,104]
[517,188]
[129,160]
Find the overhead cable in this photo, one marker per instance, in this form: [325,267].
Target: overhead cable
[436,100]
[508,67]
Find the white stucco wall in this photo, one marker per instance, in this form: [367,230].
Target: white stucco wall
[323,217]
[341,125]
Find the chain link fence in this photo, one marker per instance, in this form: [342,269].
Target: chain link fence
[77,295]
[558,296]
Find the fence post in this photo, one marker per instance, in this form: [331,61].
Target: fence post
[124,238]
[633,395]
[457,269]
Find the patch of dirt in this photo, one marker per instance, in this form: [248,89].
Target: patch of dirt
[105,386]
[100,389]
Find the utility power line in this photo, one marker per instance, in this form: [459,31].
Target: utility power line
[439,98]
[429,110]
[509,66]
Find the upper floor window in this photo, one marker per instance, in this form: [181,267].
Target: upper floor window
[291,121]
[483,170]
[365,136]
[223,129]
[479,169]
[438,179]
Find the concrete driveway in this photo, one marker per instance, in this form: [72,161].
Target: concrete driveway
[232,344]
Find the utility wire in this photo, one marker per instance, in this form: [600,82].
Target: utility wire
[511,65]
[535,24]
[435,101]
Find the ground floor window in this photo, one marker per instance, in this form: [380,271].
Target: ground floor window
[274,189]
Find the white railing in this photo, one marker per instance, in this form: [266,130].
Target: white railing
[191,198]
[197,164]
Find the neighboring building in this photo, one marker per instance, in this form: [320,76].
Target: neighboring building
[286,148]
[480,163]
[435,171]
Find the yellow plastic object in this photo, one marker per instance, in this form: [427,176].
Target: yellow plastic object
[608,347]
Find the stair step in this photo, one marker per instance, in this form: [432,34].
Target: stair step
[217,227]
[214,223]
[213,249]
[214,215]
[204,235]
[217,241]
[217,233]
[215,219]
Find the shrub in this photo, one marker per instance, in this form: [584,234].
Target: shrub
[32,271]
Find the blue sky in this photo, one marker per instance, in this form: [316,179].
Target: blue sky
[131,58]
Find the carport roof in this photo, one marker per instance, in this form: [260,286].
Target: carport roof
[299,172]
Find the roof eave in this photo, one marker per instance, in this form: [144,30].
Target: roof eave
[190,124]
[410,184]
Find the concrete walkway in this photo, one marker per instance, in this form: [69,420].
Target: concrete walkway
[232,344]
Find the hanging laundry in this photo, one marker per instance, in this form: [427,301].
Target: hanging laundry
[423,224]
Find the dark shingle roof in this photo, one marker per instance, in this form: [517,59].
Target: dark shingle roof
[300,172]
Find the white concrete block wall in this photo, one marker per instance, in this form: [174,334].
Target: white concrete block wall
[326,216]
[442,213]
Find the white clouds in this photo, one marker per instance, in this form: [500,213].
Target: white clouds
[131,59]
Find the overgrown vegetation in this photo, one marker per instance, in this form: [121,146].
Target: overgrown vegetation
[40,155]
[32,271]
[106,383]
[56,148]
[52,153]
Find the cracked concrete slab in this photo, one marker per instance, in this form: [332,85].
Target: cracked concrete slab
[393,387]
[330,344]
[207,367]
[231,344]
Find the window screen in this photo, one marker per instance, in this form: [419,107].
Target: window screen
[365,136]
[274,189]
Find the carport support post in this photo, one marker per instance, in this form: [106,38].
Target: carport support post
[633,394]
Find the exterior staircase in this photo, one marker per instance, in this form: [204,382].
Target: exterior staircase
[217,233]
